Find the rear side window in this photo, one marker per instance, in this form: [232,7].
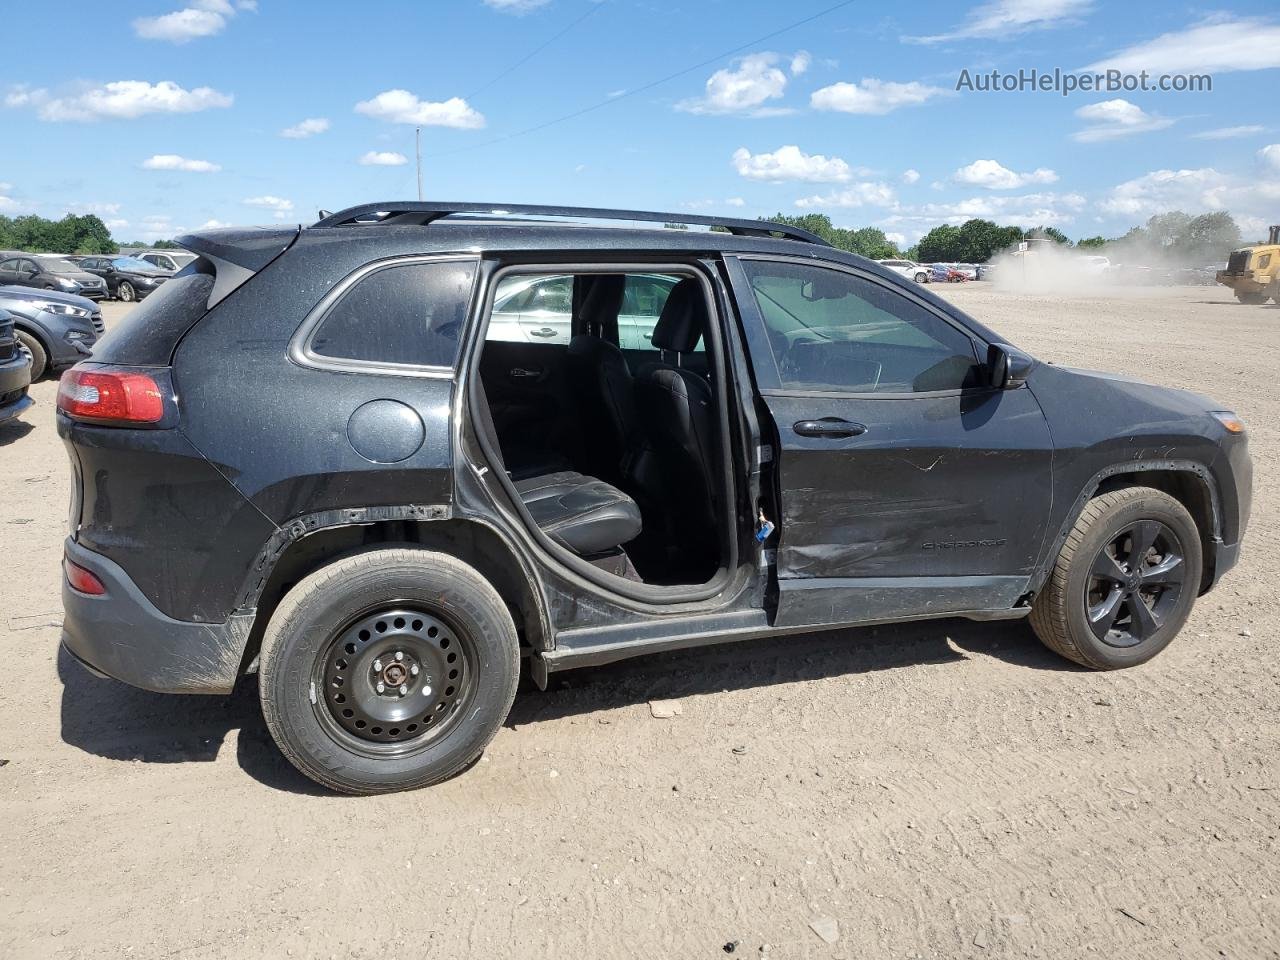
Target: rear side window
[150,331]
[410,314]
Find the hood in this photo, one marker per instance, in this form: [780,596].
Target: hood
[153,272]
[14,294]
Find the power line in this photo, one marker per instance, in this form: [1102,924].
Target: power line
[592,9]
[645,87]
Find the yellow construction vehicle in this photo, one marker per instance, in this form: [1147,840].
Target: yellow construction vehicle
[1254,272]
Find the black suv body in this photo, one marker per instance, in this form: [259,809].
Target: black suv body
[314,453]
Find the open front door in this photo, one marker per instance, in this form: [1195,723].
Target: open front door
[908,488]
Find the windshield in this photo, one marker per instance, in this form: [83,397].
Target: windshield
[59,266]
[132,263]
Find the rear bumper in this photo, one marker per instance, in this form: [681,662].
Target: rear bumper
[123,636]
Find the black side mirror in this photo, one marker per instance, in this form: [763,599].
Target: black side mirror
[1008,367]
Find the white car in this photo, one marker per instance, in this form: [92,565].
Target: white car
[1097,264]
[912,271]
[540,309]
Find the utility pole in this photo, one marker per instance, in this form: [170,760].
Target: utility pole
[417,140]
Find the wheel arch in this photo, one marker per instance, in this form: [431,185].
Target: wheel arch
[30,327]
[308,543]
[1187,481]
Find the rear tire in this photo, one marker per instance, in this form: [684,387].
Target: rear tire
[322,660]
[922,277]
[39,356]
[1086,610]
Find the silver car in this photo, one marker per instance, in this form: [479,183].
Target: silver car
[540,309]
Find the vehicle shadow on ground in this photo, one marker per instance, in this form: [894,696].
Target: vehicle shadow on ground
[118,722]
[13,431]
[776,661]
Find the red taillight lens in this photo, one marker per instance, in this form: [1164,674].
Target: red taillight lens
[111,396]
[82,580]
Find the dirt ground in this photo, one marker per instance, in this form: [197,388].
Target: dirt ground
[946,789]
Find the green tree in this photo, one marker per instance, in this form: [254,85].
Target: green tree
[865,241]
[942,243]
[1091,243]
[71,234]
[1048,233]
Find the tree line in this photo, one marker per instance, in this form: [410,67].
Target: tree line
[71,234]
[1170,236]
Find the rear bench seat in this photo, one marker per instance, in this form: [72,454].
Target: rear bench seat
[581,513]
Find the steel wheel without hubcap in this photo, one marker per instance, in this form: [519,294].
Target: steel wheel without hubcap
[392,681]
[1134,583]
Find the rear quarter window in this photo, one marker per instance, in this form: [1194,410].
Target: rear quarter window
[149,332]
[403,314]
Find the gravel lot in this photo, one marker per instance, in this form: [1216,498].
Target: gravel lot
[946,789]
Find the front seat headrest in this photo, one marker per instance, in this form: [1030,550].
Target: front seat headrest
[683,319]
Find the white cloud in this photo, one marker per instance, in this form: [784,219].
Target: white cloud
[8,203]
[279,207]
[1032,209]
[1112,119]
[1195,191]
[96,208]
[203,18]
[867,194]
[910,176]
[179,26]
[1270,155]
[306,128]
[1218,45]
[800,62]
[791,163]
[214,225]
[383,158]
[118,100]
[994,176]
[873,96]
[736,202]
[1001,19]
[116,224]
[1229,133]
[515,6]
[401,106]
[899,240]
[745,89]
[171,161]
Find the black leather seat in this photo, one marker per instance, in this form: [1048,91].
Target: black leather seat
[600,381]
[677,416]
[586,515]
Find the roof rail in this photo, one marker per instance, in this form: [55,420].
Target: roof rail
[421,213]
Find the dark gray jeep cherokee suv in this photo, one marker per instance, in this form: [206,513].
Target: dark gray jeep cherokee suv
[312,455]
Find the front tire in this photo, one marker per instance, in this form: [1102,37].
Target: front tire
[126,293]
[922,277]
[1124,582]
[39,356]
[388,670]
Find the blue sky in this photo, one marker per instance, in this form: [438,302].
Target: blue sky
[182,113]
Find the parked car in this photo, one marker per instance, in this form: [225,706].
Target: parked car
[539,309]
[1096,264]
[907,268]
[969,270]
[51,273]
[946,273]
[56,329]
[985,271]
[311,456]
[171,260]
[127,278]
[15,371]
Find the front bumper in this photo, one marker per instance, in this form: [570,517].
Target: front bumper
[122,635]
[15,377]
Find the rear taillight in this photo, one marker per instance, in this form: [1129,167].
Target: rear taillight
[115,396]
[82,580]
